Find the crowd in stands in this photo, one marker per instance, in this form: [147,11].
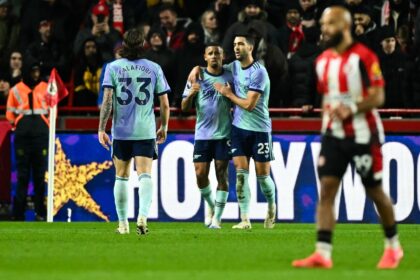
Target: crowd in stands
[79,37]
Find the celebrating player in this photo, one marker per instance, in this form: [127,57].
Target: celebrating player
[251,129]
[350,79]
[130,84]
[212,132]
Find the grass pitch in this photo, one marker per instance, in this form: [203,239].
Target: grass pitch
[190,251]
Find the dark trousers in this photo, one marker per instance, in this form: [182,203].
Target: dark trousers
[31,151]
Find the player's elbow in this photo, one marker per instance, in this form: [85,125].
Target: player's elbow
[250,107]
[184,107]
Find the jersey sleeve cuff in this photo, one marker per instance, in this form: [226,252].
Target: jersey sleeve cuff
[256,90]
[163,93]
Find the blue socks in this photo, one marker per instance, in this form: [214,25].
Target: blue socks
[221,199]
[268,188]
[121,197]
[243,192]
[145,194]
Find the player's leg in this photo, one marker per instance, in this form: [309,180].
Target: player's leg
[262,154]
[268,188]
[144,171]
[122,173]
[241,153]
[222,192]
[203,155]
[243,193]
[121,151]
[202,170]
[332,164]
[368,162]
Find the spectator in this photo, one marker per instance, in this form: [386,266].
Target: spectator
[364,27]
[15,68]
[211,27]
[9,30]
[309,12]
[252,9]
[302,72]
[291,35]
[413,82]
[47,52]
[159,53]
[417,33]
[273,59]
[226,12]
[4,88]
[188,57]
[27,111]
[61,14]
[393,64]
[173,28]
[403,38]
[86,75]
[399,13]
[117,55]
[99,28]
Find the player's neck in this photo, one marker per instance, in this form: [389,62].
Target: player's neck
[344,45]
[247,62]
[214,71]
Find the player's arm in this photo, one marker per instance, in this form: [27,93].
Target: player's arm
[105,112]
[188,100]
[164,118]
[11,108]
[247,103]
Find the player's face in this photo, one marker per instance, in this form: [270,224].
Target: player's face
[214,57]
[332,30]
[241,48]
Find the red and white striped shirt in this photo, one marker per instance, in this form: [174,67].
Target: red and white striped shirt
[345,78]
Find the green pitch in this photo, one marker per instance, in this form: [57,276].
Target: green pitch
[189,251]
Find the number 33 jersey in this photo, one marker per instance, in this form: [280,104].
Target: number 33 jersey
[135,84]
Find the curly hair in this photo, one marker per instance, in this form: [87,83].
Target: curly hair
[132,47]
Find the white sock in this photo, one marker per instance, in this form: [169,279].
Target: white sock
[392,242]
[324,249]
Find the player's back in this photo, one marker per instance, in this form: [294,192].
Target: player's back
[252,78]
[135,83]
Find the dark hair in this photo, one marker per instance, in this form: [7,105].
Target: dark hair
[250,39]
[132,47]
[212,44]
[167,7]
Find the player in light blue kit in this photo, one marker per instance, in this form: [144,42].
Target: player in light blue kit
[130,84]
[251,129]
[212,132]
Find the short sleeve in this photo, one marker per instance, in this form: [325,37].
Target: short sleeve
[108,80]
[228,67]
[259,80]
[372,71]
[186,90]
[162,86]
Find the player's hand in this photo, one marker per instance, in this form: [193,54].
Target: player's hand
[104,139]
[195,75]
[307,108]
[224,89]
[195,88]
[161,135]
[341,112]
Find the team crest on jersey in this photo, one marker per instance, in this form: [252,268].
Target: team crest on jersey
[376,71]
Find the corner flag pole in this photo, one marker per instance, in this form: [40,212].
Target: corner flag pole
[51,156]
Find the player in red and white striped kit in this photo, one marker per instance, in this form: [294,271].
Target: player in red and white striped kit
[351,82]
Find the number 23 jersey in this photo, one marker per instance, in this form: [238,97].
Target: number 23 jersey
[135,84]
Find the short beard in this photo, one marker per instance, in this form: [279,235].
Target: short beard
[333,42]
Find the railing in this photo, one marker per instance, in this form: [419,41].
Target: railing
[274,111]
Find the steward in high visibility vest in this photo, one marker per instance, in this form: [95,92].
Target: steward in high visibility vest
[27,111]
